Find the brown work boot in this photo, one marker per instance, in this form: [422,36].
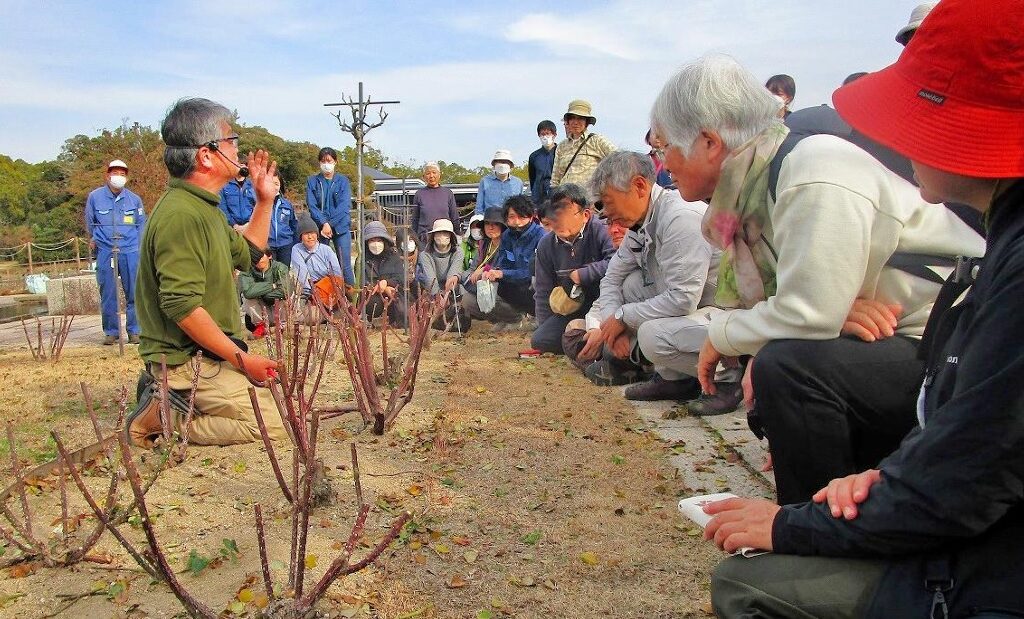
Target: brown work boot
[143,426]
[109,340]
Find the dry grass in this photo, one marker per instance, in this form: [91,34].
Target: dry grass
[535,494]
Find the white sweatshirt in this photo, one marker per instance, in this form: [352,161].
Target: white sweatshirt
[838,217]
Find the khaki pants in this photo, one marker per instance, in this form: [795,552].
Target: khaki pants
[224,414]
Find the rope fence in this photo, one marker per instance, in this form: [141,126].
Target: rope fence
[34,263]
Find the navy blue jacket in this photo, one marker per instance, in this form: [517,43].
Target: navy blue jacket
[589,253]
[516,253]
[330,201]
[237,201]
[539,166]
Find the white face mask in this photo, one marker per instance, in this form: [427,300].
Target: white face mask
[502,169]
[442,241]
[327,168]
[117,181]
[476,234]
[376,247]
[410,246]
[547,140]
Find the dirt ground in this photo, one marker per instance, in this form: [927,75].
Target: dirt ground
[534,494]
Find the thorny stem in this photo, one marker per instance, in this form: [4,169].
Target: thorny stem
[19,480]
[269,445]
[337,570]
[193,606]
[261,539]
[355,476]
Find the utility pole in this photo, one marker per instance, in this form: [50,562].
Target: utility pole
[358,128]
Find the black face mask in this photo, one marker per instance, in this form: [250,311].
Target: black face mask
[519,229]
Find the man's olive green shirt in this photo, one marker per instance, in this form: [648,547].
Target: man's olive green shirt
[187,260]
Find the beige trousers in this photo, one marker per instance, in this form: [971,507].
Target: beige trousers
[224,414]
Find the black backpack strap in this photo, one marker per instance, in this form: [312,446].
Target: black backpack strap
[775,166]
[965,271]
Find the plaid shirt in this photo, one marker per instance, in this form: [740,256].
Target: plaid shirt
[597,148]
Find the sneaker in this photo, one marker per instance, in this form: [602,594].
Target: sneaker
[133,338]
[659,388]
[727,398]
[603,374]
[109,340]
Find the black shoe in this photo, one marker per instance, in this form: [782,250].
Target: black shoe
[606,374]
[727,397]
[659,388]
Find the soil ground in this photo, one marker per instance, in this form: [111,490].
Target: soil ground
[534,493]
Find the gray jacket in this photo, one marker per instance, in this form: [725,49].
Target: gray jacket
[433,270]
[673,257]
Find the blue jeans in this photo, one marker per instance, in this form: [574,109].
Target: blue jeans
[282,255]
[127,266]
[342,244]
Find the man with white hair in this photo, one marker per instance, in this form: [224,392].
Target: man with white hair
[499,185]
[432,202]
[656,294]
[799,260]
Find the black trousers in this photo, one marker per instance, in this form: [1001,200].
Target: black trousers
[831,408]
[519,296]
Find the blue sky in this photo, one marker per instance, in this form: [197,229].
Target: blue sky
[472,77]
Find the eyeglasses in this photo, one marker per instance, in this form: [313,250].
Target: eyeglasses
[211,144]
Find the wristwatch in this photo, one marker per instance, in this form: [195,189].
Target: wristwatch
[618,313]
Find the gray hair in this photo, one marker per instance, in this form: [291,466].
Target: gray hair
[431,165]
[618,170]
[189,124]
[713,93]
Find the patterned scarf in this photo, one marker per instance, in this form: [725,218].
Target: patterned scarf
[736,217]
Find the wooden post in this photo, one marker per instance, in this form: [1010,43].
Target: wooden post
[29,245]
[78,253]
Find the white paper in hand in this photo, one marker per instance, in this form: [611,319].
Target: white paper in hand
[693,508]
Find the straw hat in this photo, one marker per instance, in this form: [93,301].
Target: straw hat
[580,107]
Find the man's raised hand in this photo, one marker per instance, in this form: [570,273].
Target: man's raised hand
[261,172]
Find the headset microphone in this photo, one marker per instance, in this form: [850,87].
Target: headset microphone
[243,170]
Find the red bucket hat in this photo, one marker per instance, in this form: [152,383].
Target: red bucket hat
[955,98]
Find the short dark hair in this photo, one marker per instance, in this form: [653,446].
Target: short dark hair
[569,193]
[327,150]
[853,77]
[522,205]
[547,124]
[782,82]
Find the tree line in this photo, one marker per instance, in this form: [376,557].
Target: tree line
[44,202]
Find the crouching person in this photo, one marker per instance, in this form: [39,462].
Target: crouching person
[936,529]
[266,283]
[384,272]
[440,272]
[486,258]
[316,269]
[569,266]
[662,273]
[186,281]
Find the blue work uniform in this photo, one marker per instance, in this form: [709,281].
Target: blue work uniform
[330,201]
[115,221]
[284,230]
[237,201]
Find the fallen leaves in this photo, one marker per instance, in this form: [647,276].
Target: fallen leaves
[456,582]
[590,558]
[531,538]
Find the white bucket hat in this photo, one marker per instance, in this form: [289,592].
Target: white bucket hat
[916,17]
[503,155]
[443,225]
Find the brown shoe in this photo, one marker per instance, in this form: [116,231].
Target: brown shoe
[143,425]
[109,340]
[133,338]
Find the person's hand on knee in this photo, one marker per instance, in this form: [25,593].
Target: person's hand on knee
[872,320]
[845,493]
[592,348]
[748,385]
[621,346]
[707,363]
[741,523]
